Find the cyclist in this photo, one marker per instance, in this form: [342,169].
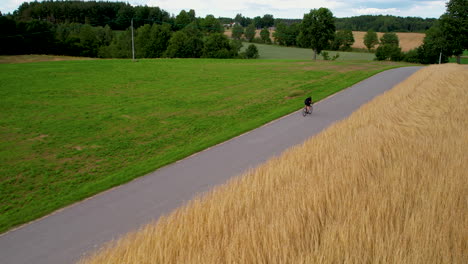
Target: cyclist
[308,102]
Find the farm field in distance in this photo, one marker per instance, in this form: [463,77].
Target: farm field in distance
[408,40]
[276,52]
[70,129]
[385,185]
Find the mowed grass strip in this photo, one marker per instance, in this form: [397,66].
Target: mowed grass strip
[71,129]
[386,185]
[276,52]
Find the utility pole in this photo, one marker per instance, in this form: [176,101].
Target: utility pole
[440,56]
[133,44]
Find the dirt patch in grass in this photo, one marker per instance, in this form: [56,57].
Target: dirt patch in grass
[41,137]
[37,58]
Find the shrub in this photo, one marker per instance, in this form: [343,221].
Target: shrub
[389,52]
[251,52]
[412,56]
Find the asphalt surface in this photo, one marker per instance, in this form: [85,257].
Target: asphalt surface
[68,234]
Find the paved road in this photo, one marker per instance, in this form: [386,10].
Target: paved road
[66,235]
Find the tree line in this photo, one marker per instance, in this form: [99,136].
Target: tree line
[386,23]
[448,36]
[202,37]
[118,14]
[101,29]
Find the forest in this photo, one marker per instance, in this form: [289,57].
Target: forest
[104,29]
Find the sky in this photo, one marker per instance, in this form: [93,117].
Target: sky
[284,8]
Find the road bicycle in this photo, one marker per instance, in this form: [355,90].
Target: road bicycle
[305,112]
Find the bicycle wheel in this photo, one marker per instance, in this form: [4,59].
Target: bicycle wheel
[311,109]
[304,111]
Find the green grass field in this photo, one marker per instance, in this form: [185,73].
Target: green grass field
[70,129]
[280,52]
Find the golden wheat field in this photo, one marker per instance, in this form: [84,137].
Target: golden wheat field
[387,185]
[408,41]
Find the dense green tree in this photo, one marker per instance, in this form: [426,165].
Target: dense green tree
[265,36]
[159,16]
[280,33]
[143,41]
[370,39]
[160,36]
[388,52]
[237,31]
[104,35]
[385,23]
[186,43]
[210,24]
[120,47]
[191,14]
[251,52]
[182,20]
[434,48]
[236,45]
[250,32]
[286,35]
[389,48]
[390,39]
[141,16]
[217,46]
[11,42]
[258,22]
[244,21]
[317,29]
[268,20]
[454,25]
[343,40]
[88,41]
[38,37]
[124,17]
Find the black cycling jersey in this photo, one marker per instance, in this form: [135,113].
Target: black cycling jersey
[308,101]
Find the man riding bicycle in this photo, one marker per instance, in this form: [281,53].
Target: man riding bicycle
[308,102]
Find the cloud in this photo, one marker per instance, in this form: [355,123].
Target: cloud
[283,8]
[375,11]
[8,6]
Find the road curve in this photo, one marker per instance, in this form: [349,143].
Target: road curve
[66,235]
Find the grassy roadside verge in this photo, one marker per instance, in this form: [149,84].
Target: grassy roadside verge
[386,185]
[72,129]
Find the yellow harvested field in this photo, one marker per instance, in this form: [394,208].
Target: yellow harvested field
[408,41]
[387,185]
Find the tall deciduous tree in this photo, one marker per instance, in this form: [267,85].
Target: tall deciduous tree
[389,48]
[268,20]
[371,39]
[250,32]
[454,25]
[434,47]
[237,31]
[217,46]
[390,39]
[265,35]
[186,43]
[344,39]
[182,20]
[210,24]
[318,28]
